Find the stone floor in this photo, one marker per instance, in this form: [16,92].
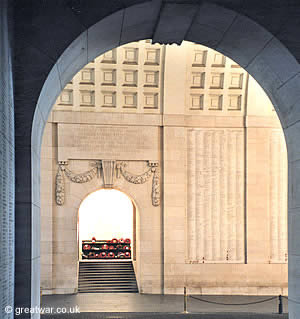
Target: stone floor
[167,304]
[93,315]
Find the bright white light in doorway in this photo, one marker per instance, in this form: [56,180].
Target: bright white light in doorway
[106,214]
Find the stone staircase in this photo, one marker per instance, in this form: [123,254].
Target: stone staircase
[107,277]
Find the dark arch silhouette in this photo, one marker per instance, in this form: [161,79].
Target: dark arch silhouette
[227,31]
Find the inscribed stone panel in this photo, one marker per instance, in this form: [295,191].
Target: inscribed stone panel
[106,142]
[215,190]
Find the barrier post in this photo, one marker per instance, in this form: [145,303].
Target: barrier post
[280,306]
[185,301]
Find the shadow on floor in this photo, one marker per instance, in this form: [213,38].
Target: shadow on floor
[93,315]
[148,303]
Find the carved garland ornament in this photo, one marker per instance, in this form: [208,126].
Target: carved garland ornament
[120,168]
[155,188]
[135,179]
[75,178]
[59,187]
[81,178]
[143,178]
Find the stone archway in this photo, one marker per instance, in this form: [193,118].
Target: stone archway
[62,277]
[87,206]
[234,35]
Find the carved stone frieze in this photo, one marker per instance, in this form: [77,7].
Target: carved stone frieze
[109,167]
[108,172]
[59,187]
[143,178]
[135,179]
[82,177]
[118,170]
[75,178]
[156,188]
[98,166]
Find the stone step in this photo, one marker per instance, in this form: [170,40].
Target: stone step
[105,270]
[105,284]
[107,277]
[87,280]
[99,290]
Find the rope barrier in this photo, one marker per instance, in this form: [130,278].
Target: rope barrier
[280,304]
[234,304]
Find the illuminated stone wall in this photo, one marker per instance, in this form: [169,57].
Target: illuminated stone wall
[220,226]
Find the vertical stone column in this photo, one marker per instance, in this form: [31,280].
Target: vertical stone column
[192,231]
[258,184]
[278,196]
[48,170]
[174,172]
[174,207]
[7,168]
[292,138]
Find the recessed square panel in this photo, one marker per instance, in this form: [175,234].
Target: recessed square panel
[150,100]
[87,76]
[130,56]
[130,100]
[218,60]
[151,78]
[217,80]
[196,101]
[66,97]
[235,103]
[130,78]
[152,56]
[108,99]
[198,79]
[109,56]
[215,102]
[108,77]
[87,98]
[200,58]
[236,80]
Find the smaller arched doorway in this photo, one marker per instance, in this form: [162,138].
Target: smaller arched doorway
[106,215]
[106,242]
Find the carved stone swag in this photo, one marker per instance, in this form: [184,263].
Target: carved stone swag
[108,168]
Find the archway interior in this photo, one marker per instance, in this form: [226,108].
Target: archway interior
[225,111]
[257,71]
[104,215]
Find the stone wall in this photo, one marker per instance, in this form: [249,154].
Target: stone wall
[215,195]
[221,224]
[262,39]
[7,170]
[59,247]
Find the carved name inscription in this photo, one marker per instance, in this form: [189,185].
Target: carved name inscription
[215,210]
[106,142]
[278,197]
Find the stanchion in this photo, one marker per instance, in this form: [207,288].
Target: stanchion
[185,301]
[280,306]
